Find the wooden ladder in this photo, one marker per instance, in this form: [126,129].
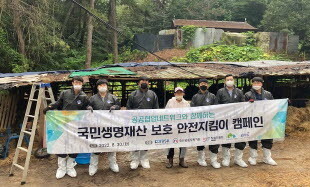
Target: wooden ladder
[37,100]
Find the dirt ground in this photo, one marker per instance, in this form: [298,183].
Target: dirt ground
[167,54]
[292,156]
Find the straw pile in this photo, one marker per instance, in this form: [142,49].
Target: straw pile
[298,119]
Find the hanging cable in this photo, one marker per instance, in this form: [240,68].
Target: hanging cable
[120,33]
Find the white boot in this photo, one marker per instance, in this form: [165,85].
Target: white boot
[253,156]
[144,160]
[70,167]
[267,157]
[135,156]
[62,168]
[226,156]
[238,158]
[214,162]
[112,161]
[202,158]
[93,164]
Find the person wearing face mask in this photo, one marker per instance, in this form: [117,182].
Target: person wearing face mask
[71,99]
[231,94]
[205,98]
[255,94]
[142,98]
[103,100]
[177,102]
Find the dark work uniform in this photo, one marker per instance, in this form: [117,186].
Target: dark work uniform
[69,101]
[224,96]
[205,99]
[142,100]
[99,103]
[265,95]
[104,103]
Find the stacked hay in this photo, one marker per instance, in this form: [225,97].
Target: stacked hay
[298,119]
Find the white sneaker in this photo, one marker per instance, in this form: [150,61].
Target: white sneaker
[238,158]
[214,163]
[62,168]
[70,167]
[202,158]
[253,156]
[144,160]
[134,160]
[226,156]
[93,164]
[112,162]
[267,157]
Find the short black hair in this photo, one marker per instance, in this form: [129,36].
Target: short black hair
[102,81]
[258,79]
[77,78]
[144,78]
[229,75]
[203,80]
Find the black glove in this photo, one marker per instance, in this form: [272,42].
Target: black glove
[46,109]
[90,108]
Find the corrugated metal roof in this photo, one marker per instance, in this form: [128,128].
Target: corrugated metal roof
[264,63]
[169,72]
[214,24]
[164,71]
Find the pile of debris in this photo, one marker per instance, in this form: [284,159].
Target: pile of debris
[298,119]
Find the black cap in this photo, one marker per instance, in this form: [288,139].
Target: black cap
[203,80]
[257,79]
[144,78]
[101,81]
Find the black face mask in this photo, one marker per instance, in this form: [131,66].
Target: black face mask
[203,88]
[144,86]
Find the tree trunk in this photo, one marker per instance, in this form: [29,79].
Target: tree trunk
[67,19]
[90,29]
[112,19]
[16,23]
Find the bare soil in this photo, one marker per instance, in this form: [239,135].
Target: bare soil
[292,156]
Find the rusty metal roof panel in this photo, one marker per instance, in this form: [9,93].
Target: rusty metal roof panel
[210,70]
[262,63]
[169,72]
[214,24]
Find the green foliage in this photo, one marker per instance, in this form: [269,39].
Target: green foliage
[228,53]
[251,40]
[289,16]
[53,43]
[200,9]
[188,33]
[10,59]
[126,55]
[251,10]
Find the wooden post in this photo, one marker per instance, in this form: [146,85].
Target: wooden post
[165,94]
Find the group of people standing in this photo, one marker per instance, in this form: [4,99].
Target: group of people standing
[144,98]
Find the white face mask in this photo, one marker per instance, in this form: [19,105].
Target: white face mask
[103,89]
[230,83]
[179,97]
[256,87]
[77,87]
